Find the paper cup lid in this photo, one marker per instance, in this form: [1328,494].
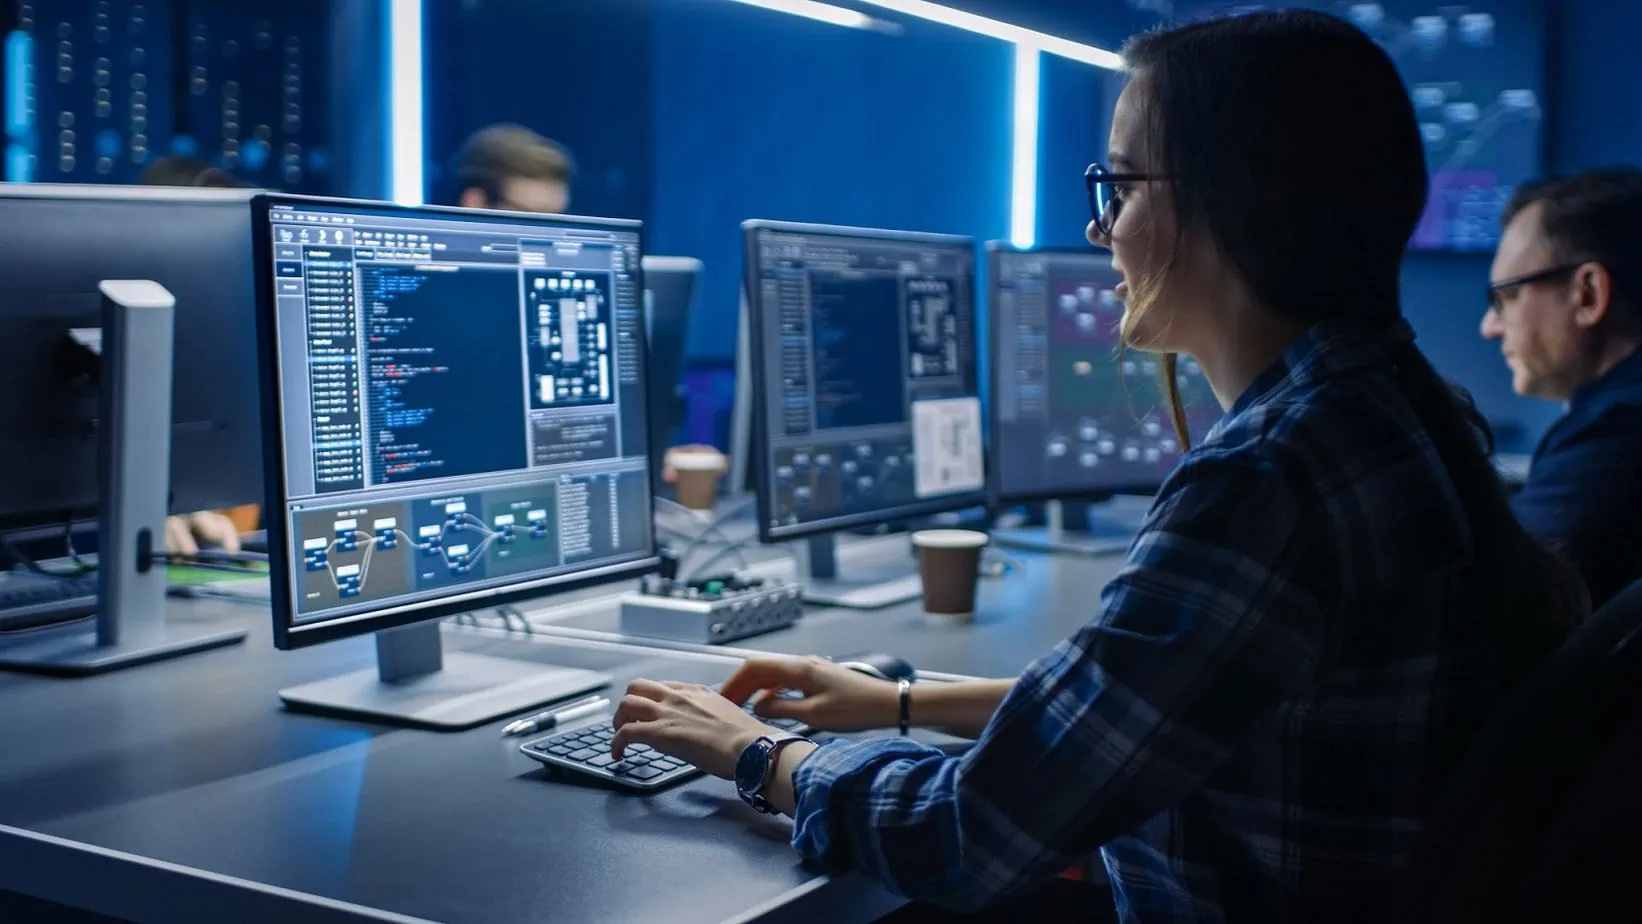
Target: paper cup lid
[949,539]
[696,461]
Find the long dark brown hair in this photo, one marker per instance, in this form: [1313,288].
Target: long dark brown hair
[1289,138]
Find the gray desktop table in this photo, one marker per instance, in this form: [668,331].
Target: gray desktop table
[179,791]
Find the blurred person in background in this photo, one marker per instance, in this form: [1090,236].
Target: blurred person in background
[512,168]
[1565,304]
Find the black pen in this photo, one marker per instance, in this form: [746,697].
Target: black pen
[546,720]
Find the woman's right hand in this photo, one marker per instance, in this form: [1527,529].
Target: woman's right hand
[835,698]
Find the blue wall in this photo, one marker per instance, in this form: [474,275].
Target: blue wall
[1596,84]
[764,115]
[575,71]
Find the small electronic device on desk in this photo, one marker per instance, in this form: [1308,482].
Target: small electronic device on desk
[709,611]
[585,752]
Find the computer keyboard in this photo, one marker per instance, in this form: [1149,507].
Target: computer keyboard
[32,601]
[585,752]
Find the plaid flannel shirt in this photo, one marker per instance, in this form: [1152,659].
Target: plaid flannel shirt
[1254,723]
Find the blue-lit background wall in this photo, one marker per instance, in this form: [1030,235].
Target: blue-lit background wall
[97,89]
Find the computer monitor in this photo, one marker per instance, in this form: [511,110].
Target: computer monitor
[57,243]
[1073,416]
[866,400]
[454,404]
[672,287]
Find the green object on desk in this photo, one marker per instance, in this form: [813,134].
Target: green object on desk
[191,576]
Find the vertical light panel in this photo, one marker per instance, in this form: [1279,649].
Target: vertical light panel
[1023,191]
[406,179]
[19,48]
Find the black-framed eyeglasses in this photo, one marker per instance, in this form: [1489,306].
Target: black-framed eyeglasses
[1106,195]
[1498,290]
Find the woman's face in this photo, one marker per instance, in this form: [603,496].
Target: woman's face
[1144,245]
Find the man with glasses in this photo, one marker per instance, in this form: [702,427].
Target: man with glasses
[511,167]
[1565,303]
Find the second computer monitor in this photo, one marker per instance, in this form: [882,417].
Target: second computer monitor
[866,395]
[1074,415]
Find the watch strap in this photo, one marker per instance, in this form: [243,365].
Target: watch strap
[903,692]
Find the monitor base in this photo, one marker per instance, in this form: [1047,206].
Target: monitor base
[76,653]
[1092,533]
[867,586]
[860,594]
[1102,540]
[414,687]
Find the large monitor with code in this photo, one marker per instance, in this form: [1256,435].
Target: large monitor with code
[455,412]
[1074,416]
[866,394]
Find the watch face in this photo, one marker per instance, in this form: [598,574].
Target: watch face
[751,767]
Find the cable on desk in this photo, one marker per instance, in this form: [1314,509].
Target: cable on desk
[26,560]
[73,553]
[713,526]
[733,548]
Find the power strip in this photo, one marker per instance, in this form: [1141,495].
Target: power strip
[710,612]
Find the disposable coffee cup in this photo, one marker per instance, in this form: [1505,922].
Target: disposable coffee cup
[698,472]
[949,561]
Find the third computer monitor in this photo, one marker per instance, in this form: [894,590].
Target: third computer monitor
[866,395]
[1073,415]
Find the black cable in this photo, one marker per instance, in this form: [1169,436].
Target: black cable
[28,563]
[73,553]
[733,548]
[713,526]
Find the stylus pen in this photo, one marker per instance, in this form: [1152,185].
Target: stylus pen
[546,720]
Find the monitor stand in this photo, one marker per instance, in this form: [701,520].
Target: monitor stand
[1094,535]
[417,684]
[868,587]
[133,472]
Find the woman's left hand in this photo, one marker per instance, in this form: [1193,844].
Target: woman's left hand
[688,721]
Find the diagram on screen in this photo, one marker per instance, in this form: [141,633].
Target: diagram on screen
[568,318]
[844,477]
[1106,405]
[932,328]
[1474,73]
[375,552]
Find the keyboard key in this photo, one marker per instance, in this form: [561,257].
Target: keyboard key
[622,767]
[562,749]
[583,754]
[645,773]
[666,764]
[603,760]
[640,748]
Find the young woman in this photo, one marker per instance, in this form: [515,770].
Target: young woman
[1328,596]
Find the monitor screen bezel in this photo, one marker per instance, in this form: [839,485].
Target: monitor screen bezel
[760,442]
[995,250]
[287,633]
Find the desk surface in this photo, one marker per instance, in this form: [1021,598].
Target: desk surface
[1017,617]
[191,762]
